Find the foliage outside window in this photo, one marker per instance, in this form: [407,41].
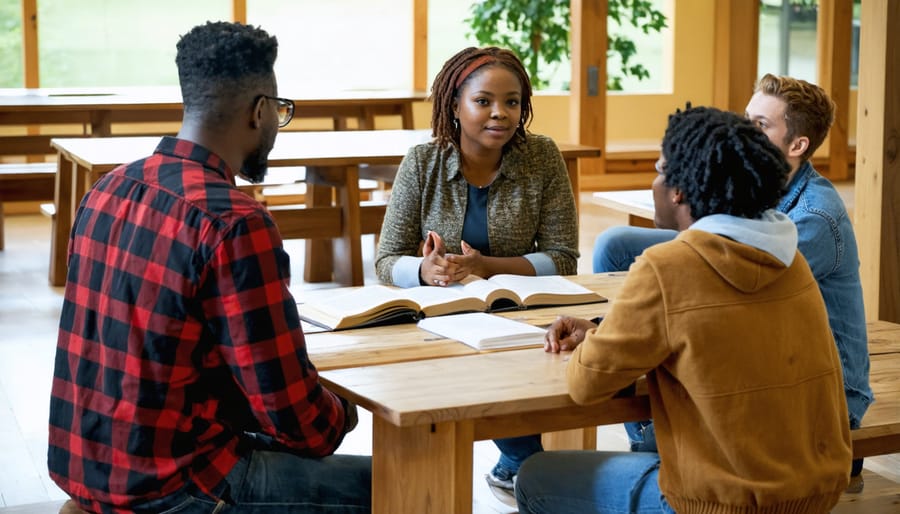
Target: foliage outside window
[538,32]
[11,44]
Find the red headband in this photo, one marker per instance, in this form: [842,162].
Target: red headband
[474,65]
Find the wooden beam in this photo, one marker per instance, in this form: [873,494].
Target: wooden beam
[31,71]
[587,100]
[420,45]
[877,209]
[735,53]
[239,11]
[833,39]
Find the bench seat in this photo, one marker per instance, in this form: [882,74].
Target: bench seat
[25,182]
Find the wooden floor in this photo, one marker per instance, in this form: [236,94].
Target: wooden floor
[29,314]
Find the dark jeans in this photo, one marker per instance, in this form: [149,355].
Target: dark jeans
[278,482]
[513,452]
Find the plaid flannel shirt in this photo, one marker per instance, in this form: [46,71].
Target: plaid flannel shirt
[177,335]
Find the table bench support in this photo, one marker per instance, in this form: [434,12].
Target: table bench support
[428,469]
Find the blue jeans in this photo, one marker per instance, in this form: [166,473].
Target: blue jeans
[615,250]
[513,452]
[578,482]
[278,482]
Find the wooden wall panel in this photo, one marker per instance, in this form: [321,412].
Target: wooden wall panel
[877,209]
[833,39]
[587,102]
[736,53]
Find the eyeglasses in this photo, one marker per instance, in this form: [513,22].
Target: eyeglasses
[659,168]
[285,108]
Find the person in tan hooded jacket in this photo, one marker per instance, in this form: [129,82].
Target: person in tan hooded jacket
[730,328]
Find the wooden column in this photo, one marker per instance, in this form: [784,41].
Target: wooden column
[736,53]
[587,100]
[420,45]
[30,68]
[877,209]
[833,39]
[239,11]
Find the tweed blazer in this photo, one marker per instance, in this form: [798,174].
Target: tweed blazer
[531,207]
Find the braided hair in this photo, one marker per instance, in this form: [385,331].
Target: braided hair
[219,63]
[722,163]
[453,76]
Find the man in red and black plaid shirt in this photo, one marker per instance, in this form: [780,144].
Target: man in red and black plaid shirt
[182,380]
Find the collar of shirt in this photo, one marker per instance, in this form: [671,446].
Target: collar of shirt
[184,149]
[511,166]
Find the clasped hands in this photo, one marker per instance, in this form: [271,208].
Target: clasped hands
[440,268]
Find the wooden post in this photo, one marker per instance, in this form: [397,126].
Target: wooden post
[833,39]
[30,67]
[735,53]
[587,101]
[420,45]
[239,11]
[877,204]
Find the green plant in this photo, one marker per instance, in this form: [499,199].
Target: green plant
[538,32]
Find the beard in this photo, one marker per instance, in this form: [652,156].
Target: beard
[256,164]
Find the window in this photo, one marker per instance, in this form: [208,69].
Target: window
[448,33]
[11,44]
[787,39]
[346,44]
[114,43]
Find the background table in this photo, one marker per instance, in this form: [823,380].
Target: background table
[637,204]
[97,109]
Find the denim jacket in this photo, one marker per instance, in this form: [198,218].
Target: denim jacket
[829,246]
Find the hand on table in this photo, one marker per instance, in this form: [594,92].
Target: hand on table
[566,333]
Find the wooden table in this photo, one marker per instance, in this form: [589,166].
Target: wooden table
[332,161]
[429,408]
[96,109]
[428,414]
[637,204]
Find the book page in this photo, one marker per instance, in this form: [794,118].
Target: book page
[356,307]
[485,290]
[359,301]
[546,290]
[437,301]
[484,331]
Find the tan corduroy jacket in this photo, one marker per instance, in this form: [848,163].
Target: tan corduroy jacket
[745,382]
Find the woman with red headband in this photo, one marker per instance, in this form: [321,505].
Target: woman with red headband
[484,197]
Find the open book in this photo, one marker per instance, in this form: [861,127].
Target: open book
[376,305]
[484,331]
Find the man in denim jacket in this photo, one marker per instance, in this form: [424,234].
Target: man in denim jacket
[796,116]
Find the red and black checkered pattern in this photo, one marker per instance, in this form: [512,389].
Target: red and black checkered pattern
[178,333]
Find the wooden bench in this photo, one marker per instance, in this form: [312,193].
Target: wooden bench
[25,182]
[630,165]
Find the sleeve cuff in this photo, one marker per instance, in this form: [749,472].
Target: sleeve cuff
[542,264]
[406,271]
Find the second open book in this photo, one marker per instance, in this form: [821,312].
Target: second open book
[374,305]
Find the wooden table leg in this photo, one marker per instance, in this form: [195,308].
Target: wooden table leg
[422,469]
[406,115]
[575,439]
[62,220]
[317,265]
[574,180]
[348,269]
